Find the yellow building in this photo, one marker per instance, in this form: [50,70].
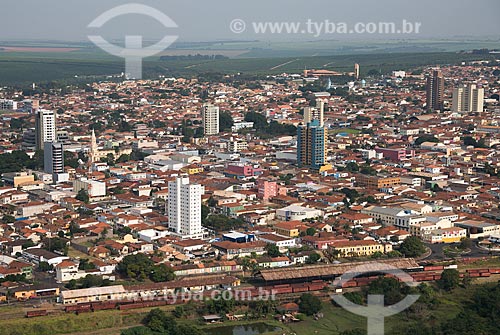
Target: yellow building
[446,235]
[359,248]
[18,178]
[192,169]
[36,291]
[289,228]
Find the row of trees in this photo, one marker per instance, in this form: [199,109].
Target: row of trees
[19,160]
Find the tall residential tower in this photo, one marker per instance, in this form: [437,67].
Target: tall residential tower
[311,145]
[45,128]
[184,207]
[435,90]
[210,118]
[468,98]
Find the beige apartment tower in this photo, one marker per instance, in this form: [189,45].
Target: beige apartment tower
[468,98]
[210,118]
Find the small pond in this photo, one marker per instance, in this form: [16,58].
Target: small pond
[248,329]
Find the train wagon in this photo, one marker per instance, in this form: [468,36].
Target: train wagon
[40,312]
[101,306]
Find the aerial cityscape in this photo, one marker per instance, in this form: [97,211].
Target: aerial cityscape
[245,185]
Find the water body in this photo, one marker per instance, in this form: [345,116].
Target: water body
[249,329]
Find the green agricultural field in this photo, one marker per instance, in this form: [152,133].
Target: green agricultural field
[87,63]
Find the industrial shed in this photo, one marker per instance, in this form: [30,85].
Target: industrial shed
[331,271]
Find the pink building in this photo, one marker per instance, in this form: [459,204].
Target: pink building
[396,154]
[241,171]
[267,189]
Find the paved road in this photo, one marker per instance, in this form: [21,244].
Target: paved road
[437,252]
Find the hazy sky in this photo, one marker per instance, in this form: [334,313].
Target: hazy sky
[205,20]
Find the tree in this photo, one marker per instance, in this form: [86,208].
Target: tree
[426,138]
[44,266]
[211,202]
[465,243]
[161,273]
[352,167]
[70,159]
[91,281]
[205,210]
[390,288]
[109,159]
[140,267]
[225,121]
[85,264]
[351,194]
[313,258]
[310,231]
[135,266]
[117,190]
[273,250]
[56,244]
[155,320]
[220,222]
[123,158]
[450,279]
[436,188]
[178,312]
[219,305]
[309,304]
[8,219]
[412,247]
[83,196]
[258,119]
[468,140]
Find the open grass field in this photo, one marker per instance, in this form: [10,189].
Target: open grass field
[337,320]
[343,130]
[100,322]
[492,262]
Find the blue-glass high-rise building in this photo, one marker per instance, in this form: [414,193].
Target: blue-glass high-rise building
[311,145]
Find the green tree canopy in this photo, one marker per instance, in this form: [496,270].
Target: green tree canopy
[412,247]
[225,121]
[309,304]
[273,250]
[450,279]
[83,195]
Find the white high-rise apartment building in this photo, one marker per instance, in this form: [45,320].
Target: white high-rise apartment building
[468,98]
[45,127]
[210,117]
[184,207]
[6,104]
